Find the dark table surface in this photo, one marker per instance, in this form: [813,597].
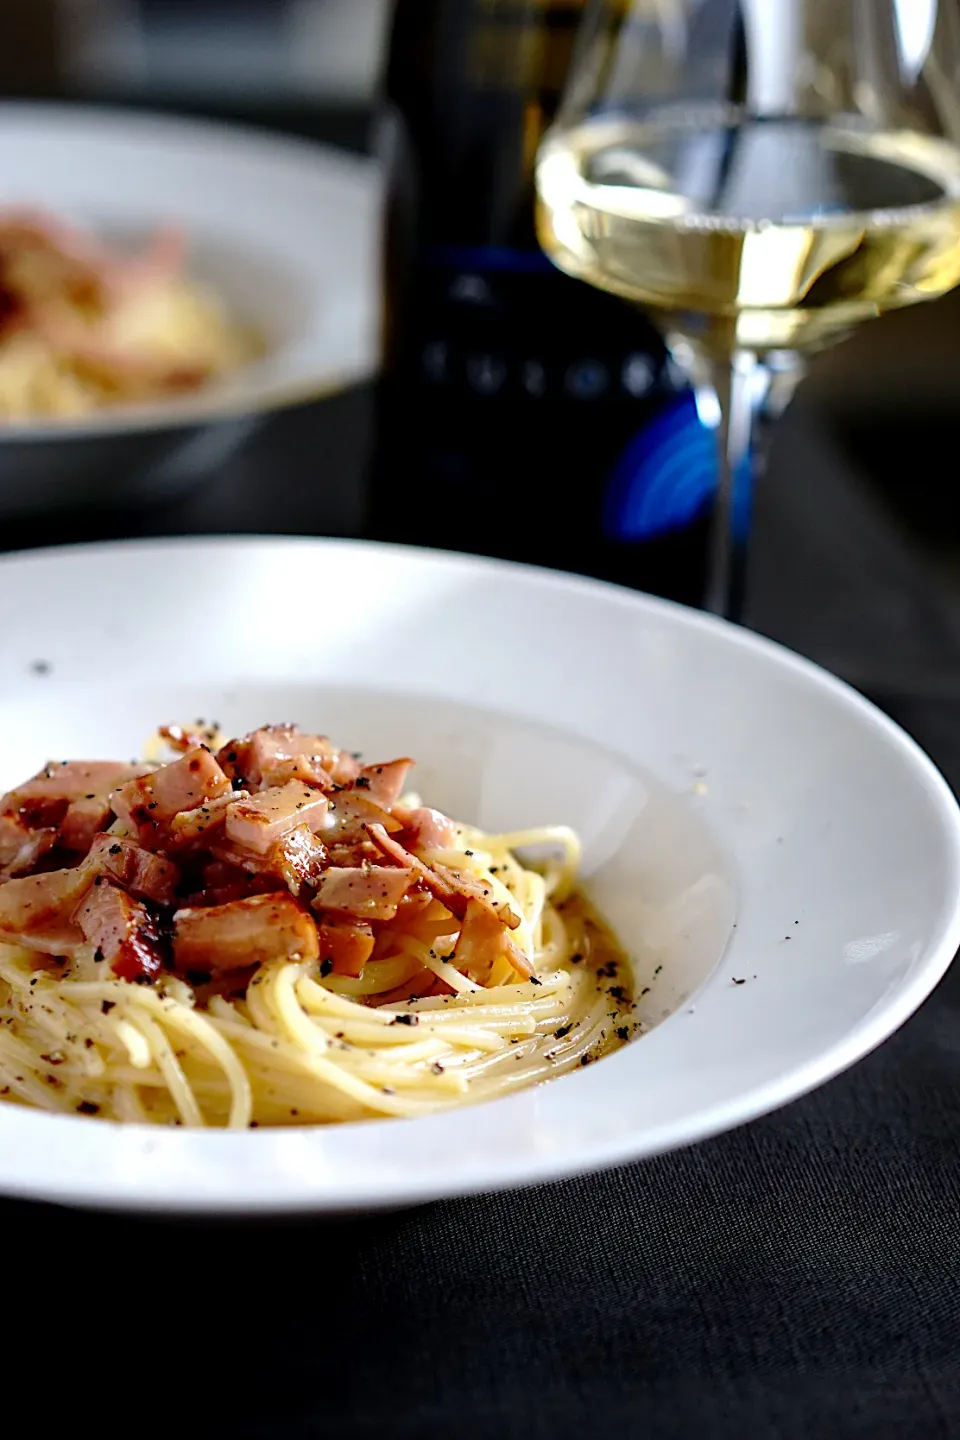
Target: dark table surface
[797,1278]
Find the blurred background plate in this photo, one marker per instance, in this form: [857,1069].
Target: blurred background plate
[284,230]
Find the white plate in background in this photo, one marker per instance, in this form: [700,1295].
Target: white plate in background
[285,230]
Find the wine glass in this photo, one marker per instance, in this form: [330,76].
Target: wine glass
[761,176]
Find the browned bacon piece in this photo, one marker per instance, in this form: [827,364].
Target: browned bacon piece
[83,821]
[36,911]
[71,800]
[452,890]
[346,944]
[205,823]
[22,848]
[151,801]
[222,881]
[366,892]
[246,932]
[122,930]
[261,820]
[183,738]
[295,860]
[276,754]
[424,829]
[45,798]
[144,874]
[482,942]
[383,784]
[351,813]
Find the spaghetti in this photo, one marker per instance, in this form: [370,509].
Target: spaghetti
[523,984]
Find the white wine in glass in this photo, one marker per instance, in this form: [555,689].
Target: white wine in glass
[761,175]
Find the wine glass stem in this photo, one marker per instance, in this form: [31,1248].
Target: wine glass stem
[740,383]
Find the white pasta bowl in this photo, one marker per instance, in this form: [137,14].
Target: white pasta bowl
[284,231]
[781,862]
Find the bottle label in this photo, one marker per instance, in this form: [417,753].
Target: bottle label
[667,477]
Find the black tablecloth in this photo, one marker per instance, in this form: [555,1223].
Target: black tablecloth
[798,1278]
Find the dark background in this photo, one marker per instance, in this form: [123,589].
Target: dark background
[799,1278]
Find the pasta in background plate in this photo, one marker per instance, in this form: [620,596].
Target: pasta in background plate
[85,326]
[279,934]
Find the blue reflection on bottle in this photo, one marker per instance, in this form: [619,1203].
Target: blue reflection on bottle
[667,478]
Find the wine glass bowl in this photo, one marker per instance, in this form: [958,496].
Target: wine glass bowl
[761,178]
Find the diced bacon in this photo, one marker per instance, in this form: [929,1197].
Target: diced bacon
[151,801]
[304,769]
[37,910]
[369,892]
[351,811]
[188,782]
[452,890]
[138,870]
[297,860]
[182,738]
[66,804]
[269,757]
[220,872]
[83,821]
[222,881]
[424,829]
[20,848]
[383,784]
[245,932]
[355,849]
[483,940]
[348,946]
[122,930]
[278,743]
[315,858]
[205,822]
[344,767]
[45,798]
[263,819]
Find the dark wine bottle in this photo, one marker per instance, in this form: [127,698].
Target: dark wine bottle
[521,414]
